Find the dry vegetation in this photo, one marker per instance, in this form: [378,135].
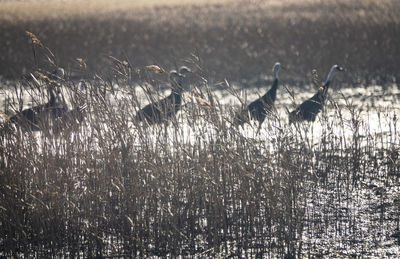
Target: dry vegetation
[113,187]
[199,186]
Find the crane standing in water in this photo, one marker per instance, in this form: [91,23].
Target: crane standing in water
[260,108]
[32,118]
[308,110]
[165,109]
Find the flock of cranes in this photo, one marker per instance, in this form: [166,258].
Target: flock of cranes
[307,111]
[161,111]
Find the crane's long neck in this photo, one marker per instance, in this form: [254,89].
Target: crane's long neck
[330,76]
[53,98]
[177,96]
[271,94]
[328,82]
[276,74]
[274,84]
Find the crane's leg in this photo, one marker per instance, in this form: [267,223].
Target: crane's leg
[259,127]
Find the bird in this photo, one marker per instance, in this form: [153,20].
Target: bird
[258,109]
[69,120]
[165,109]
[58,74]
[309,109]
[74,115]
[30,119]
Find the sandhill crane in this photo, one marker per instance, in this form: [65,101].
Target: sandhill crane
[258,109]
[161,111]
[309,109]
[30,119]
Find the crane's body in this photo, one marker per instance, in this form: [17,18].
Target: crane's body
[33,118]
[308,110]
[260,108]
[165,109]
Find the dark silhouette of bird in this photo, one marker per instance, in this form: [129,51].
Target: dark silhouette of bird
[165,109]
[69,120]
[32,118]
[309,109]
[76,115]
[79,112]
[258,109]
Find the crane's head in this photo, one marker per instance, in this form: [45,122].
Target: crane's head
[334,69]
[174,75]
[176,80]
[337,68]
[276,68]
[59,73]
[184,70]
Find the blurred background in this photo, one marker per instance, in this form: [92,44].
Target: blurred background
[237,40]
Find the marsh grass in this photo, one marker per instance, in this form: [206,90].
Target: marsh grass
[196,186]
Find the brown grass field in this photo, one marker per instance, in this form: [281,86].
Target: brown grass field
[233,39]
